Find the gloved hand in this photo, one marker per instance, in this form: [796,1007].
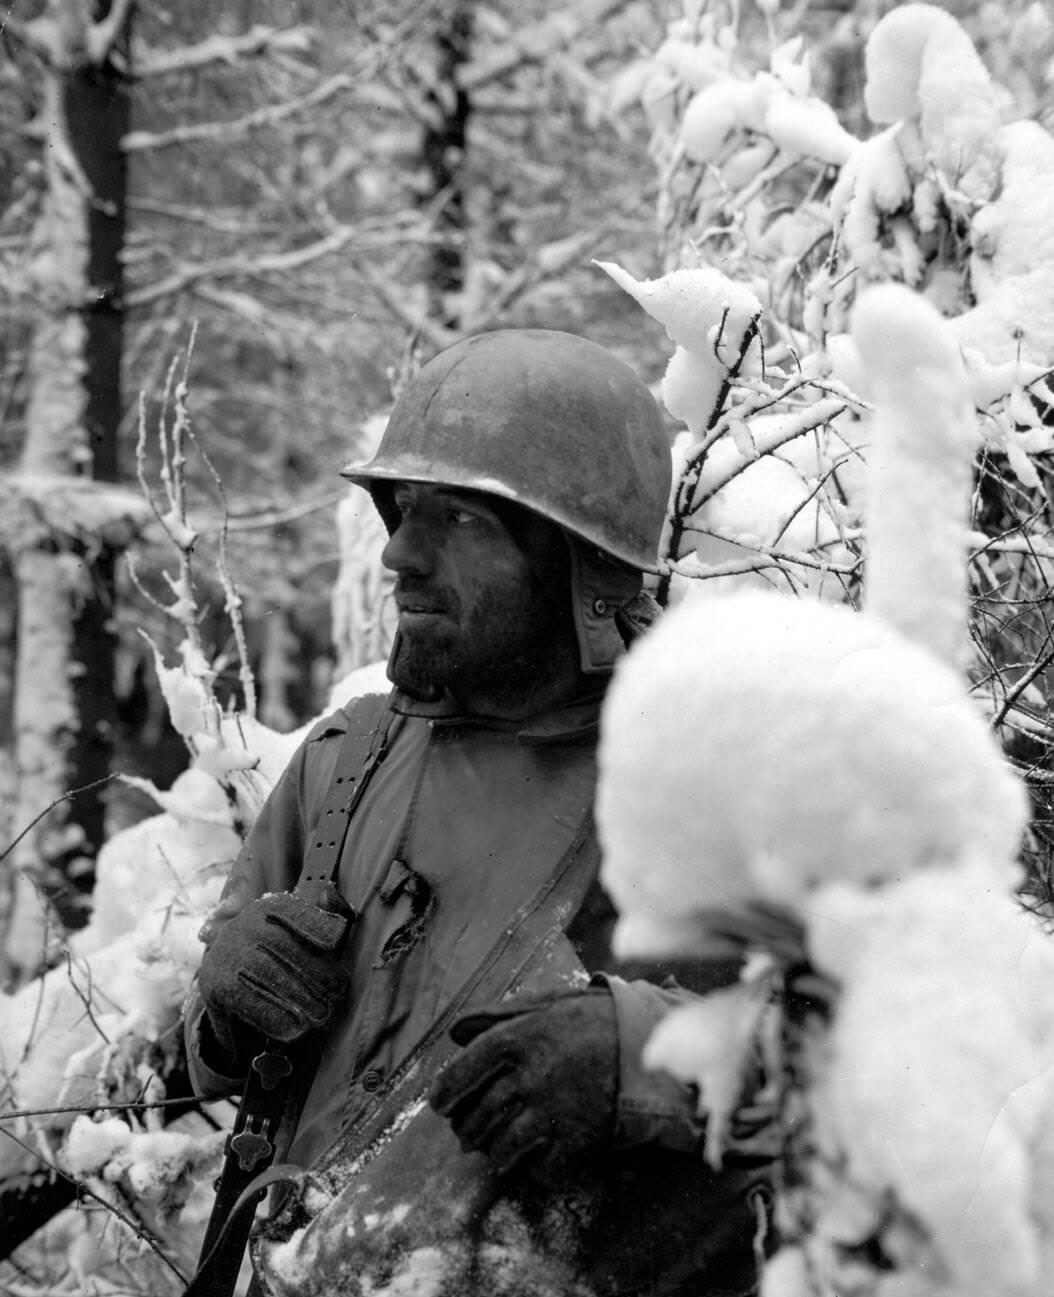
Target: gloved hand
[271,971]
[536,1085]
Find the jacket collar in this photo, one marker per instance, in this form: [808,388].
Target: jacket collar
[576,719]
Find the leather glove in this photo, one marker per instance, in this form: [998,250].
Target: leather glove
[271,971]
[536,1084]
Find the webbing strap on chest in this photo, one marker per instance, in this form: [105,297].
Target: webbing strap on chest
[364,748]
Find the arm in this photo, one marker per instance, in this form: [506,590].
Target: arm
[652,1107]
[269,862]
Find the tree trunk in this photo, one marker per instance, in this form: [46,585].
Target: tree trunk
[443,150]
[64,704]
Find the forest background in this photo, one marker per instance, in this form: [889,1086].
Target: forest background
[229,232]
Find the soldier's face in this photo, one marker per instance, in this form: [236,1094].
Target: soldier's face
[481,587]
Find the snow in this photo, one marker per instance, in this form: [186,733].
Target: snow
[947,996]
[709,317]
[690,389]
[692,64]
[923,437]
[873,183]
[1012,267]
[811,743]
[921,66]
[713,115]
[156,1166]
[188,699]
[702,310]
[776,104]
[711,1044]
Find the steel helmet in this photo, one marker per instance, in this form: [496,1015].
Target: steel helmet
[545,419]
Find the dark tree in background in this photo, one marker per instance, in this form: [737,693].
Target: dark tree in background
[64,524]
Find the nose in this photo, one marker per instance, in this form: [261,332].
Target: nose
[409,550]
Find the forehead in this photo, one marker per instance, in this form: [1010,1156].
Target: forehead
[423,492]
[540,540]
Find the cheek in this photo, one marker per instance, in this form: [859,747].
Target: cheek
[488,580]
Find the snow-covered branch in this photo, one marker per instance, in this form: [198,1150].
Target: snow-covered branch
[221,49]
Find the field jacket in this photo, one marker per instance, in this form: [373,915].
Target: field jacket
[461,827]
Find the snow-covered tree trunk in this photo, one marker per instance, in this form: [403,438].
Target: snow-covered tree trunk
[63,703]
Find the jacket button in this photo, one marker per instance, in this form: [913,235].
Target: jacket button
[371,1080]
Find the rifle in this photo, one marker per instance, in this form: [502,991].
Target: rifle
[272,1083]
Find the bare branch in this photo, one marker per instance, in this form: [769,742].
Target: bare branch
[223,132]
[73,792]
[233,600]
[417,323]
[249,267]
[128,1105]
[84,994]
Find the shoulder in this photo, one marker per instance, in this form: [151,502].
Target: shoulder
[360,715]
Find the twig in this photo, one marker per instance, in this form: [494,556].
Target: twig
[233,604]
[232,267]
[18,1114]
[73,792]
[84,996]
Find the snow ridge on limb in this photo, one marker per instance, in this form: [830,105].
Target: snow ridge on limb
[924,436]
[714,323]
[922,66]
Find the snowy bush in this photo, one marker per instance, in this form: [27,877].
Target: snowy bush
[815,786]
[863,346]
[774,218]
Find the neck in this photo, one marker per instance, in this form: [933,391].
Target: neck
[521,689]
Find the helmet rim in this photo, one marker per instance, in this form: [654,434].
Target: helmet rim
[561,402]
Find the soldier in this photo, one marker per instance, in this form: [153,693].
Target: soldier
[471,1113]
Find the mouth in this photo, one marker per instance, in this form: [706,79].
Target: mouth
[418,611]
[411,607]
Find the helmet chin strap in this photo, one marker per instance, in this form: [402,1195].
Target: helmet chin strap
[601,589]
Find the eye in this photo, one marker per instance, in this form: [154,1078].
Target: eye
[463,517]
